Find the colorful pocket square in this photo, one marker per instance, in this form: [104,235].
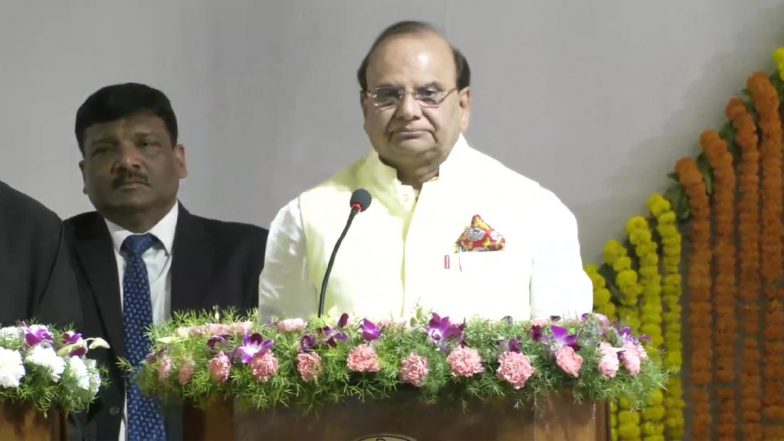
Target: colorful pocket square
[480,237]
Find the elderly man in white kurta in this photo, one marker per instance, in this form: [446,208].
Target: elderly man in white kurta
[427,185]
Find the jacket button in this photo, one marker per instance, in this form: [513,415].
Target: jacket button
[114,411]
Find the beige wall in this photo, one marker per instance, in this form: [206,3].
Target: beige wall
[596,100]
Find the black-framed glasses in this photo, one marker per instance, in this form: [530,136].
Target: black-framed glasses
[386,97]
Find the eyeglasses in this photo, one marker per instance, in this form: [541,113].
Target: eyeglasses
[426,96]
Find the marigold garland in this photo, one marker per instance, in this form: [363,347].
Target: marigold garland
[641,236]
[602,303]
[626,279]
[726,328]
[749,274]
[766,101]
[699,284]
[670,238]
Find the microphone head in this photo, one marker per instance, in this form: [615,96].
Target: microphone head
[360,199]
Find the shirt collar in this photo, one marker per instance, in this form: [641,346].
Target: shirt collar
[163,230]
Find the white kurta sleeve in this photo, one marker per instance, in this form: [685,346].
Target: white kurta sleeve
[559,285]
[285,290]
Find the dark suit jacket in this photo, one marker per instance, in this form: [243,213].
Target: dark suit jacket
[35,276]
[213,263]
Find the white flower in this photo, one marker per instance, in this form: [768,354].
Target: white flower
[11,334]
[11,368]
[47,358]
[78,371]
[94,376]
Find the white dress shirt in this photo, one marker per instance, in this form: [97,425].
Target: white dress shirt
[158,259]
[400,254]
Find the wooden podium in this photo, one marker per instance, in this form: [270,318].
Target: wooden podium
[24,422]
[555,418]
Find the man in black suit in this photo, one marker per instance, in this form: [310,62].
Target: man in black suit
[35,276]
[142,255]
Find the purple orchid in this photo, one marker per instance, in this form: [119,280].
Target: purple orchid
[216,340]
[512,345]
[440,331]
[342,321]
[627,336]
[37,334]
[252,345]
[71,338]
[562,337]
[536,333]
[308,343]
[332,336]
[73,345]
[370,331]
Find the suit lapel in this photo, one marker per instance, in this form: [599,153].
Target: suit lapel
[192,264]
[96,255]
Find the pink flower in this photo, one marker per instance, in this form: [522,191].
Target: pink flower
[465,362]
[514,368]
[264,367]
[568,360]
[219,329]
[197,331]
[540,321]
[219,368]
[641,351]
[631,358]
[183,331]
[608,361]
[186,372]
[309,366]
[604,322]
[291,325]
[242,327]
[363,358]
[164,368]
[414,370]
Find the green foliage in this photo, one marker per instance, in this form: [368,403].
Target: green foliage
[185,340]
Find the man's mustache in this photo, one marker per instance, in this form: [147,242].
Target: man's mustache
[129,178]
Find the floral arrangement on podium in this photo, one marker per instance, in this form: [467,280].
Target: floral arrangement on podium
[46,368]
[302,364]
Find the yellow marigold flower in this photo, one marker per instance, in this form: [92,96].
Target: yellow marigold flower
[648,271]
[668,231]
[655,398]
[597,280]
[601,297]
[626,277]
[639,236]
[658,204]
[628,417]
[653,413]
[673,361]
[622,263]
[650,260]
[613,251]
[609,310]
[651,429]
[778,57]
[636,223]
[629,431]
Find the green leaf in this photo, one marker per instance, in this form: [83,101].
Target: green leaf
[679,201]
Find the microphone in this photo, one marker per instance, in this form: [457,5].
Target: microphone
[360,201]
